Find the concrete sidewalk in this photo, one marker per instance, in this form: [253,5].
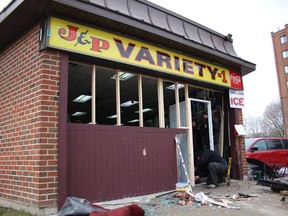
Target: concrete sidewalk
[267,202]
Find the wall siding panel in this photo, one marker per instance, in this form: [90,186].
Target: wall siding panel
[107,162]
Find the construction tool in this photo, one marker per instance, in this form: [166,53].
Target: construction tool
[183,164]
[163,194]
[228,170]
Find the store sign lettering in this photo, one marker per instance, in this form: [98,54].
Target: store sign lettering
[236,99]
[97,44]
[93,42]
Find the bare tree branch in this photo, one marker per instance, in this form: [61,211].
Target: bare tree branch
[270,124]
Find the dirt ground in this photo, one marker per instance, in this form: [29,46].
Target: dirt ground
[267,202]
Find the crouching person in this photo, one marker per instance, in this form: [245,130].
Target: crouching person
[210,164]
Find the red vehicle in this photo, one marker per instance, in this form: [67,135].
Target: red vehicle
[271,151]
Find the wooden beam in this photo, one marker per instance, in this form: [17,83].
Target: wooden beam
[221,132]
[178,125]
[160,103]
[189,136]
[140,98]
[118,107]
[93,94]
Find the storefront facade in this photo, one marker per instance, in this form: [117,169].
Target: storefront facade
[94,95]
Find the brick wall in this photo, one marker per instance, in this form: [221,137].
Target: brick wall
[29,88]
[242,145]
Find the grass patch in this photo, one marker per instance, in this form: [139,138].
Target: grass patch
[13,212]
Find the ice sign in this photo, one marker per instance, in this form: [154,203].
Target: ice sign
[236,99]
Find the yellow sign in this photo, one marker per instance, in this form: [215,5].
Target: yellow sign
[77,38]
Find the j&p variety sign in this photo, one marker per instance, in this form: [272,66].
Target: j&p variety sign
[82,39]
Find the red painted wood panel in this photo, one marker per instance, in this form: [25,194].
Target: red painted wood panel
[111,162]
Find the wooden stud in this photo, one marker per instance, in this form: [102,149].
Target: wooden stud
[189,135]
[178,125]
[118,107]
[160,102]
[140,98]
[221,132]
[93,94]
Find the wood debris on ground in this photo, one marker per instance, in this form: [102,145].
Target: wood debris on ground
[187,199]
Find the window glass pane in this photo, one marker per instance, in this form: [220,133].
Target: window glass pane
[129,99]
[200,132]
[274,144]
[261,145]
[182,105]
[283,39]
[79,93]
[248,142]
[285,142]
[150,102]
[285,54]
[105,96]
[286,69]
[169,102]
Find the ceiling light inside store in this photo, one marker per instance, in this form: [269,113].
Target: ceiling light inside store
[78,114]
[112,116]
[129,103]
[145,110]
[123,76]
[173,87]
[82,98]
[134,120]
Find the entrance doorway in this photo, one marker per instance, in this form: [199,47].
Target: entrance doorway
[206,125]
[200,107]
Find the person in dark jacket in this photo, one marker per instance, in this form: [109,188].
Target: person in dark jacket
[210,164]
[197,142]
[204,131]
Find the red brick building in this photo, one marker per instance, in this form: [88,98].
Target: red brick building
[280,46]
[142,74]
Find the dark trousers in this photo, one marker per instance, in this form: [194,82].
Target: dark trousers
[217,173]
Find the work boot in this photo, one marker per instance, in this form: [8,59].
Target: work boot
[227,181]
[211,186]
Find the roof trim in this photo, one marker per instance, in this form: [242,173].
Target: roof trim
[138,18]
[9,9]
[182,17]
[207,41]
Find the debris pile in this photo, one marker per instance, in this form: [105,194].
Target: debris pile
[284,193]
[184,198]
[188,199]
[279,185]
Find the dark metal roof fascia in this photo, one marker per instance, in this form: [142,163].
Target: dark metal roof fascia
[191,39]
[246,66]
[18,17]
[135,23]
[180,16]
[9,9]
